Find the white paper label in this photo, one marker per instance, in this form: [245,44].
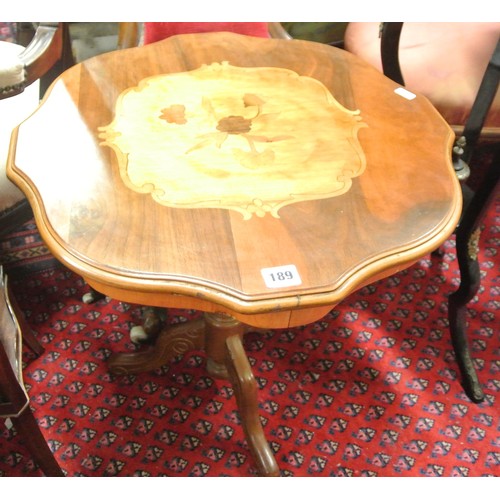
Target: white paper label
[405,93]
[281,276]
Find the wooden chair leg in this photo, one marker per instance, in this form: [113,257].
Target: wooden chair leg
[31,341]
[26,331]
[28,428]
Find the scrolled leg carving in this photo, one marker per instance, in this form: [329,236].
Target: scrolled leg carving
[172,341]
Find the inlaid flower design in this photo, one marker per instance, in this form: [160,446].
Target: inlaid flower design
[251,116]
[247,139]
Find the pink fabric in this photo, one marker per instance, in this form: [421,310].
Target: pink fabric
[8,32]
[443,61]
[153,32]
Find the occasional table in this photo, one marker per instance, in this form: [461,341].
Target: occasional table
[259,181]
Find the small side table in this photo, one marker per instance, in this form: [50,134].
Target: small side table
[260,181]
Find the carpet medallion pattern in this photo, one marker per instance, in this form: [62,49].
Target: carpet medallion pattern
[370,390]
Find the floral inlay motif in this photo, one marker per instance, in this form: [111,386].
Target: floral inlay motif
[247,139]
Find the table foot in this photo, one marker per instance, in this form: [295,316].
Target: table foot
[152,321]
[172,341]
[92,296]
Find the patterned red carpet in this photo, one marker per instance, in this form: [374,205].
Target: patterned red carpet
[371,390]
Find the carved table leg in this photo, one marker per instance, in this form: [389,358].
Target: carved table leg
[245,388]
[220,336]
[227,359]
[172,341]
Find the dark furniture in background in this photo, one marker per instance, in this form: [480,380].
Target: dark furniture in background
[47,54]
[476,122]
[14,400]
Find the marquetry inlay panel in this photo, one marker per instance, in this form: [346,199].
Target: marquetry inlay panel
[246,139]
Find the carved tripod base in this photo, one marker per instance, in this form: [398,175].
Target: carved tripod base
[220,336]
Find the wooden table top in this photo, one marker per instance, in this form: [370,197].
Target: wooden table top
[235,174]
